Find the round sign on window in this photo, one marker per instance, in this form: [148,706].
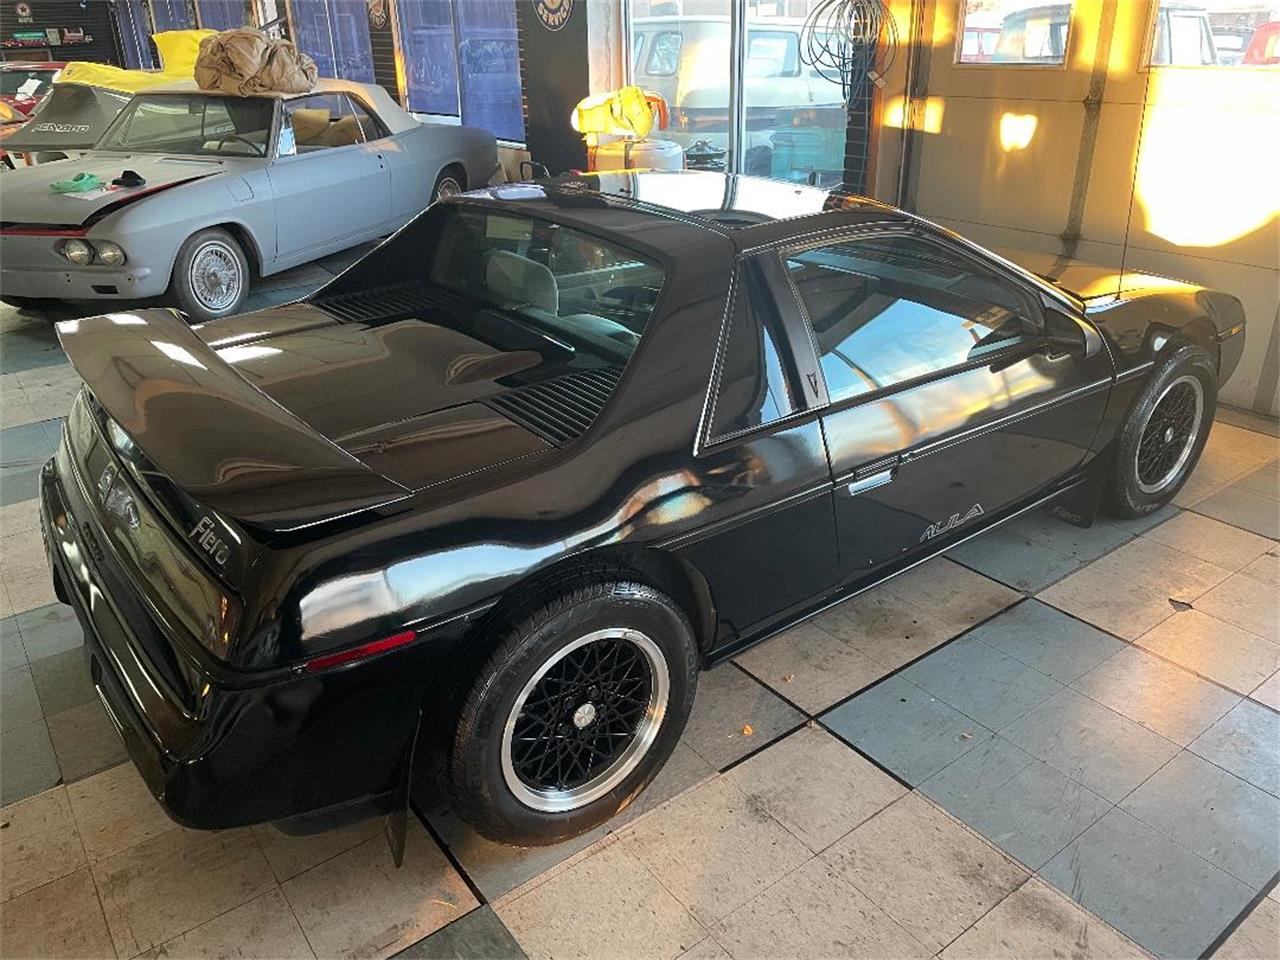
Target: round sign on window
[554,14]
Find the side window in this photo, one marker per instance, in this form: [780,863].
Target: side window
[322,121]
[753,389]
[772,53]
[886,310]
[370,128]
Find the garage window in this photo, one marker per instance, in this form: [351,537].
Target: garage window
[894,309]
[1216,33]
[463,60]
[1013,32]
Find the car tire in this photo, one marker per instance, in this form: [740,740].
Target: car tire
[1163,435]
[451,182]
[523,767]
[210,275]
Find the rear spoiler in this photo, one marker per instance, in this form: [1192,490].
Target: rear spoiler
[226,444]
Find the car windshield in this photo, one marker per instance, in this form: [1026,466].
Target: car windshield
[25,84]
[192,124]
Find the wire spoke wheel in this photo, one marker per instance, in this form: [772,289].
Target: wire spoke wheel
[215,276]
[585,719]
[1169,435]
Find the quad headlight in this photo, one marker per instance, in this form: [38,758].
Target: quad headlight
[82,252]
[78,251]
[110,253]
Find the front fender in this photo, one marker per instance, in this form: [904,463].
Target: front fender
[1139,325]
[152,229]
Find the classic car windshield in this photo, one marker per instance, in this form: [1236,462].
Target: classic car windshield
[192,124]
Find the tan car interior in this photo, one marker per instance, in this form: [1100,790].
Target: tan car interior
[316,127]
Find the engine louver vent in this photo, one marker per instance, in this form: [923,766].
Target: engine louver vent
[560,409]
[383,303]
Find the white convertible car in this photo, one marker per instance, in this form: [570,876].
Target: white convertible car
[224,189]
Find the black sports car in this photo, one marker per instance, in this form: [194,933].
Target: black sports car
[477,512]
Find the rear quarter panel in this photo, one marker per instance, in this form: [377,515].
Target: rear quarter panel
[417,156]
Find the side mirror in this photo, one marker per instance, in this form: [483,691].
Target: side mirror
[1069,335]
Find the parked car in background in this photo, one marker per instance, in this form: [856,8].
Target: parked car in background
[477,511]
[23,85]
[1264,46]
[795,116]
[231,188]
[1183,36]
[1230,43]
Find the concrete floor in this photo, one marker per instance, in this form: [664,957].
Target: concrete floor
[1055,742]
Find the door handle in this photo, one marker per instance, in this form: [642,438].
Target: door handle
[872,475]
[870,482]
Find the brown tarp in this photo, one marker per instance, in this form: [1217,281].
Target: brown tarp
[246,62]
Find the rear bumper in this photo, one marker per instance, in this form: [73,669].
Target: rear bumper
[241,752]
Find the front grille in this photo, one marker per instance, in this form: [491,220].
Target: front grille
[560,409]
[383,303]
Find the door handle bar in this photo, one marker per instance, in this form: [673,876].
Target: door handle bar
[870,482]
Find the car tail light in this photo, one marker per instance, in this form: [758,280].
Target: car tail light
[360,652]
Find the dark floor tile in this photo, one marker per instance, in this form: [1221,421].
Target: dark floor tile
[905,729]
[729,701]
[18,484]
[1092,745]
[1146,886]
[496,868]
[1248,419]
[28,445]
[12,652]
[1010,556]
[1243,507]
[34,345]
[981,682]
[480,935]
[27,761]
[683,769]
[19,702]
[85,741]
[1024,806]
[63,681]
[1265,481]
[1049,640]
[1247,742]
[1162,697]
[49,630]
[1033,551]
[1228,821]
[1138,525]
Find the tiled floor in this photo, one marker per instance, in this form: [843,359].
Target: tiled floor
[1056,742]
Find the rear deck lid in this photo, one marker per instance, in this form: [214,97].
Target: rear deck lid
[223,442]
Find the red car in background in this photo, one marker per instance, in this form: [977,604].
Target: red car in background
[23,85]
[1264,46]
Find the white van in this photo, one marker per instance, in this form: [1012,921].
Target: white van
[795,117]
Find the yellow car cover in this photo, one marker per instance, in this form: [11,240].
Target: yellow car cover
[627,111]
[178,50]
